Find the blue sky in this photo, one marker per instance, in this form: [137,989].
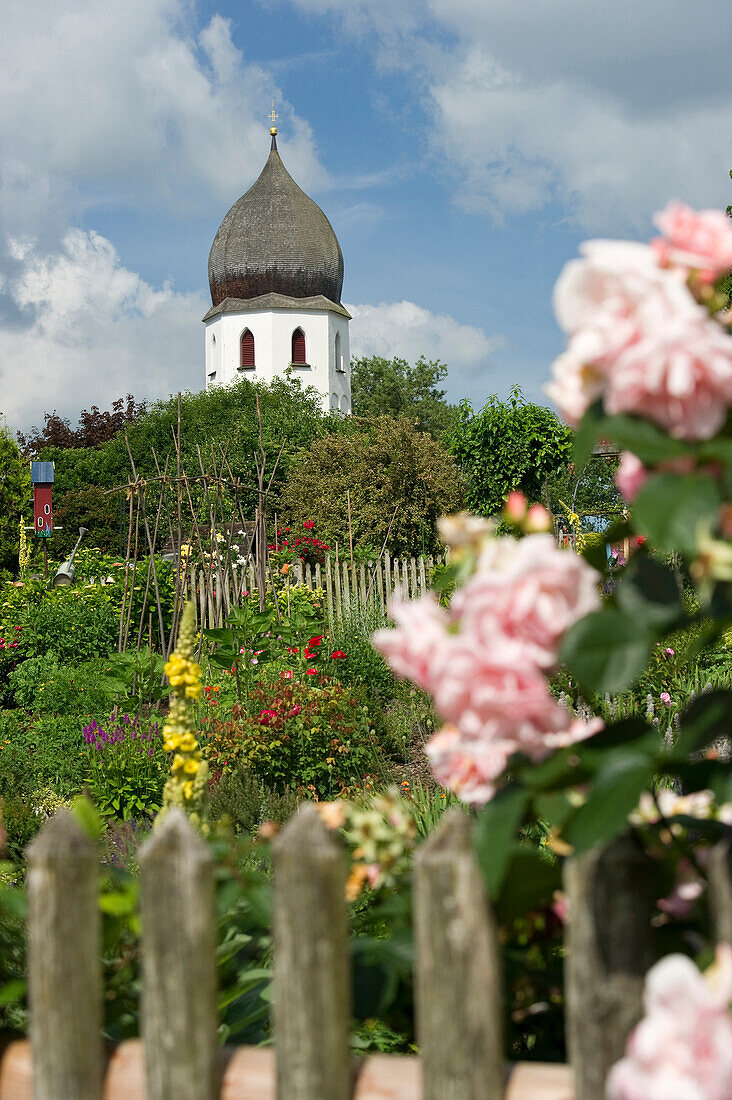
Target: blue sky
[461,149]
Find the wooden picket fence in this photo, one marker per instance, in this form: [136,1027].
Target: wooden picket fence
[344,586]
[457,981]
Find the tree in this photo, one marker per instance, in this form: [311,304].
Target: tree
[400,480]
[393,387]
[508,445]
[14,495]
[94,427]
[220,417]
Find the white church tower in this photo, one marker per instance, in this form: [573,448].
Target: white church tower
[276,271]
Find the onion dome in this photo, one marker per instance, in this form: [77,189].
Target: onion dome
[275,240]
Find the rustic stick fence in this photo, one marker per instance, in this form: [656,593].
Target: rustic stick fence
[458,982]
[344,586]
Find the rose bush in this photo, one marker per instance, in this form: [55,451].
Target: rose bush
[648,368]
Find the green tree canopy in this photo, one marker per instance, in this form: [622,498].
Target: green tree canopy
[219,417]
[507,445]
[396,475]
[393,387]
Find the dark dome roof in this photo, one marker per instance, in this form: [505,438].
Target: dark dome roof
[275,240]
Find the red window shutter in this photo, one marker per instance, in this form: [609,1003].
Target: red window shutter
[298,346]
[247,350]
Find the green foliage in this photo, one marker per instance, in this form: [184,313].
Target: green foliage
[91,508]
[393,387]
[245,801]
[310,733]
[126,766]
[400,481]
[75,627]
[14,498]
[507,445]
[46,685]
[220,415]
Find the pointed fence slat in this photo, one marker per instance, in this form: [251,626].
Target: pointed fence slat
[458,986]
[179,967]
[312,1012]
[64,952]
[610,946]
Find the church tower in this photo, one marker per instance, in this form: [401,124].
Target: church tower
[276,271]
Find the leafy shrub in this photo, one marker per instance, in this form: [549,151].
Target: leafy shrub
[362,665]
[246,801]
[400,481]
[126,766]
[45,685]
[310,734]
[75,628]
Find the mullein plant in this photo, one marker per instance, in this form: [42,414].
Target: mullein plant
[187,785]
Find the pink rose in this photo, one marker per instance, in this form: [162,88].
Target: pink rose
[411,649]
[698,239]
[639,340]
[538,519]
[515,507]
[529,591]
[683,1046]
[469,768]
[630,476]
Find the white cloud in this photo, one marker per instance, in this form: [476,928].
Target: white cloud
[406,330]
[130,103]
[88,331]
[610,112]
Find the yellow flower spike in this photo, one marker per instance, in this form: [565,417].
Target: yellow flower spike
[179,732]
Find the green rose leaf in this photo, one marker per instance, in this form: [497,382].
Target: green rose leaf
[615,793]
[648,592]
[496,832]
[671,510]
[607,650]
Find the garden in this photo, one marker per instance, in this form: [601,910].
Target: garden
[519,620]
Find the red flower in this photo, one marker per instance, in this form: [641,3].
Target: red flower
[338,655]
[316,640]
[286,675]
[641,539]
[309,653]
[312,672]
[292,649]
[266,717]
[309,524]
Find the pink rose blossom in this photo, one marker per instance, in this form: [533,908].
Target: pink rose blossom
[698,239]
[639,340]
[631,475]
[682,1049]
[411,649]
[483,660]
[538,519]
[530,591]
[515,507]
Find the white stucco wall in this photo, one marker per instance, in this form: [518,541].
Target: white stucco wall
[272,331]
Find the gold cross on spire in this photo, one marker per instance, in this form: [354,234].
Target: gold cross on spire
[273,116]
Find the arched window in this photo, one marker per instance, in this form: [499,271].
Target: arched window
[344,405]
[334,402]
[246,357]
[338,356]
[299,357]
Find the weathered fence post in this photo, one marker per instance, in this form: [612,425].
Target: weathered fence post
[64,954]
[610,947]
[458,986]
[720,890]
[179,968]
[312,1012]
